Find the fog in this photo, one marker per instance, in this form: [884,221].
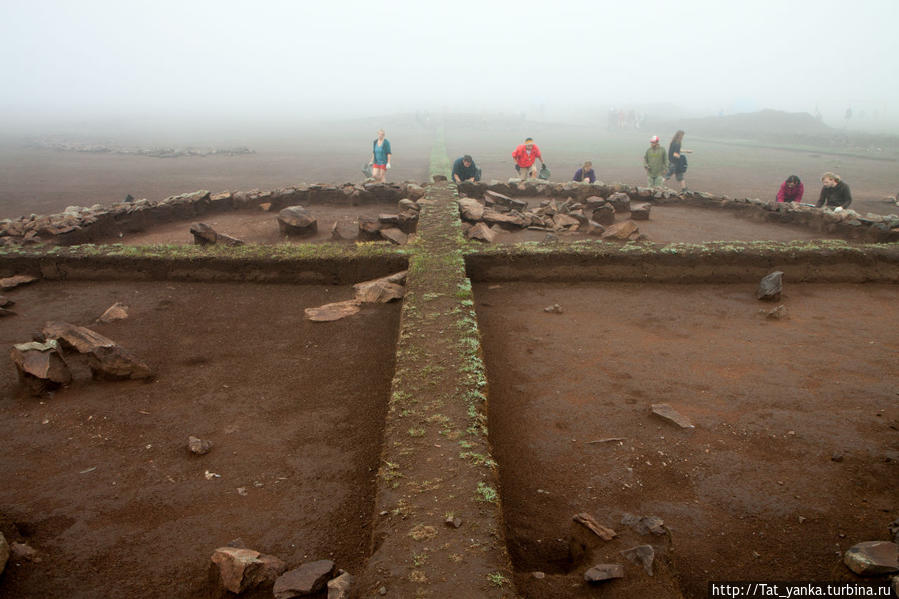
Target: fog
[169,62]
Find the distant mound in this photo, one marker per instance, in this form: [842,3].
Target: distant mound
[764,123]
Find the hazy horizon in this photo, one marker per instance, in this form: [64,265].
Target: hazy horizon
[164,63]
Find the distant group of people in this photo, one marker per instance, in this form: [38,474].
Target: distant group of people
[659,165]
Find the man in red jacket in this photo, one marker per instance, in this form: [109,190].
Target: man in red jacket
[525,155]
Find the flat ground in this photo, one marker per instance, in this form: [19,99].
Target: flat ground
[754,492]
[98,477]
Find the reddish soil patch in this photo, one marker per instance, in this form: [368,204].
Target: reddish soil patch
[753,492]
[98,478]
[256,226]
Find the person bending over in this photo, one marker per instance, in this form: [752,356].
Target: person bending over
[585,173]
[525,156]
[834,193]
[791,190]
[464,169]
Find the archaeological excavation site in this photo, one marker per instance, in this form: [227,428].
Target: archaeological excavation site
[429,390]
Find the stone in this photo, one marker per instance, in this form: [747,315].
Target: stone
[117,311]
[620,231]
[640,211]
[229,241]
[538,574]
[42,361]
[621,201]
[770,287]
[470,209]
[203,234]
[590,523]
[5,302]
[594,203]
[4,552]
[394,235]
[406,204]
[481,232]
[332,311]
[198,446]
[510,220]
[778,313]
[492,198]
[6,312]
[641,555]
[305,580]
[116,363]
[23,552]
[872,558]
[668,413]
[16,281]
[603,572]
[296,221]
[407,221]
[893,527]
[80,339]
[339,587]
[564,221]
[238,569]
[344,230]
[593,228]
[389,219]
[554,309]
[644,525]
[378,291]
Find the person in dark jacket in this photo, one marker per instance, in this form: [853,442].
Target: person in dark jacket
[464,169]
[677,161]
[834,193]
[791,190]
[585,173]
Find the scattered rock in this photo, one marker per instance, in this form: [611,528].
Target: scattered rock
[305,580]
[778,313]
[394,235]
[40,365]
[4,552]
[770,287]
[379,291]
[203,234]
[603,572]
[644,525]
[117,363]
[344,230]
[621,230]
[588,521]
[339,587]
[640,211]
[16,281]
[238,569]
[554,309]
[641,555]
[668,413]
[198,446]
[333,311]
[296,221]
[481,232]
[117,311]
[872,558]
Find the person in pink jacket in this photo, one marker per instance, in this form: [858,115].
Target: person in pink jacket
[525,156]
[791,190]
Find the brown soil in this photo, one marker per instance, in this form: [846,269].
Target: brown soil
[256,226]
[98,477]
[754,492]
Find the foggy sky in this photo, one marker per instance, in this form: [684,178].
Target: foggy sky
[306,59]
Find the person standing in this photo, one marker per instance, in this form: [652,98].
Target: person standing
[464,169]
[835,193]
[677,162]
[380,157]
[585,173]
[655,161]
[525,156]
[791,190]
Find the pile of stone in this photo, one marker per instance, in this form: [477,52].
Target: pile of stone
[79,224]
[42,365]
[377,291]
[394,227]
[595,215]
[236,569]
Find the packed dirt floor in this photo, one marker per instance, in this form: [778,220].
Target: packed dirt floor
[98,478]
[795,452]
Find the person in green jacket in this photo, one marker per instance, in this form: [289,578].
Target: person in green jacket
[655,161]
